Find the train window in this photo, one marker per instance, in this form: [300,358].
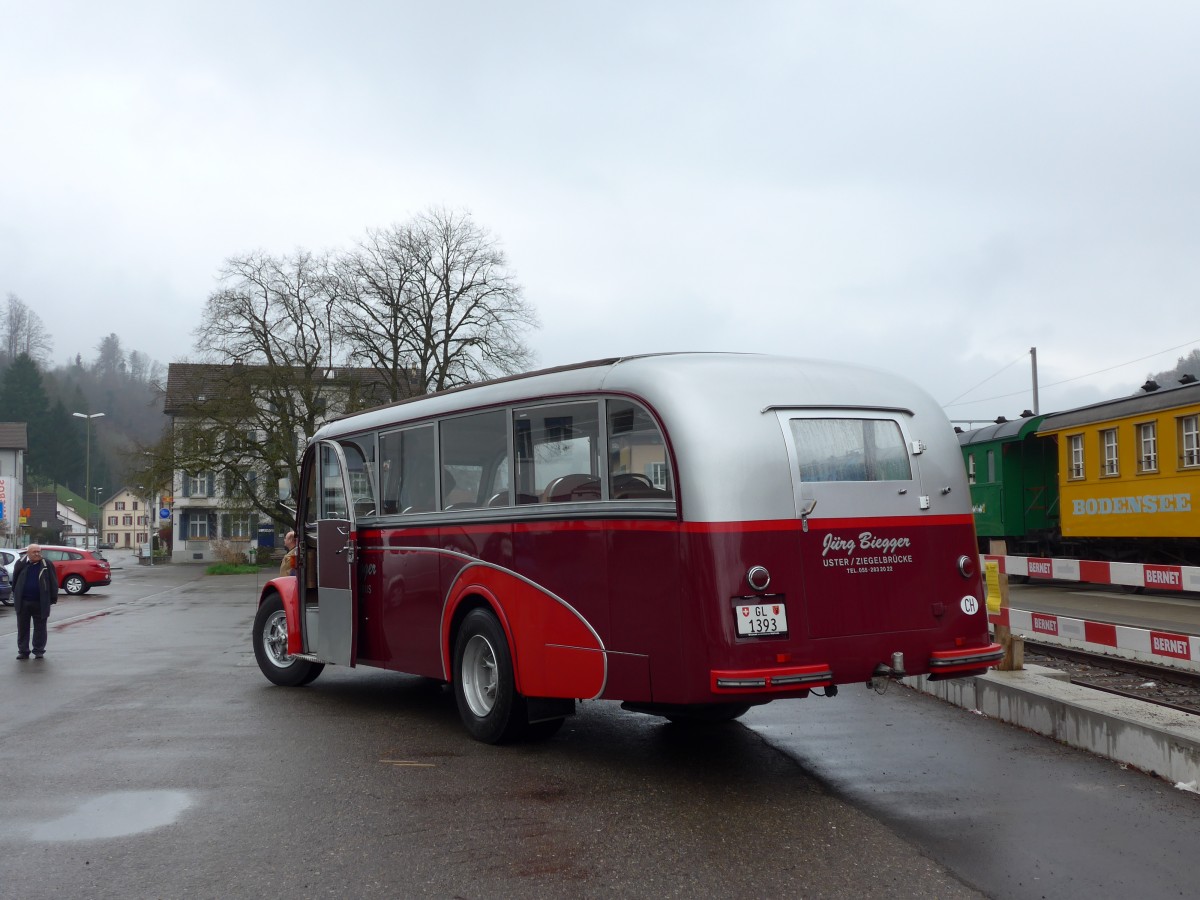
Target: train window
[1108,452]
[850,450]
[1075,448]
[991,467]
[1148,447]
[1189,441]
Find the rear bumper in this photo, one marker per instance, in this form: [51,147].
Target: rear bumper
[784,679]
[774,680]
[958,663]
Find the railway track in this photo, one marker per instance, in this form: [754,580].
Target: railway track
[1160,685]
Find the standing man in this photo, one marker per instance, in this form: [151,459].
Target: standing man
[35,590]
[287,565]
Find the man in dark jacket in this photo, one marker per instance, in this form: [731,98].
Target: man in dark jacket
[35,590]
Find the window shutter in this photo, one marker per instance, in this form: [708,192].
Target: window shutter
[187,485]
[183,524]
[225,525]
[212,484]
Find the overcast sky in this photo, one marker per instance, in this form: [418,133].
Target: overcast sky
[928,187]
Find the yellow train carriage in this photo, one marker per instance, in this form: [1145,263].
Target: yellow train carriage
[1130,468]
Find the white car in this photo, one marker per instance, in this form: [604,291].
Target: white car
[8,559]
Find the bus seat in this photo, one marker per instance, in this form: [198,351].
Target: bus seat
[575,487]
[500,498]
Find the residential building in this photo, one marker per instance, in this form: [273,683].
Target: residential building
[225,416]
[124,520]
[74,525]
[41,517]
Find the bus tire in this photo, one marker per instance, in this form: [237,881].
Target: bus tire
[484,687]
[270,647]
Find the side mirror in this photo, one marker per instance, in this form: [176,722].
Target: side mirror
[285,489]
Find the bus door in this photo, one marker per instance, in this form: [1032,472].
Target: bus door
[337,586]
[865,552]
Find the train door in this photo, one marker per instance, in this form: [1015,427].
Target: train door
[331,512]
[864,548]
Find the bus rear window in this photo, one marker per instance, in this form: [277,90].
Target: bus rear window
[850,450]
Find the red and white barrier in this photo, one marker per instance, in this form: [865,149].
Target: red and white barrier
[1162,578]
[1166,648]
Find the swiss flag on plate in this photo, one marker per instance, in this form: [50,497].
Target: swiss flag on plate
[775,610]
[745,610]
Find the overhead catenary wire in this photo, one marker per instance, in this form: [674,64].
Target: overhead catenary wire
[955,402]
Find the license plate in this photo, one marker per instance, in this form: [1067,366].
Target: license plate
[755,619]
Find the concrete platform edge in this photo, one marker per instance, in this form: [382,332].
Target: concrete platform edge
[1151,738]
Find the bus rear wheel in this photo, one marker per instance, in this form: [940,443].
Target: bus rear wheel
[270,647]
[484,686]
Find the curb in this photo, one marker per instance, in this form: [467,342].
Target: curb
[1164,742]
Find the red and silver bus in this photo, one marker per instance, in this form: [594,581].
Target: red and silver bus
[690,534]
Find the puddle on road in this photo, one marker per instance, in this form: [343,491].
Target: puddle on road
[115,815]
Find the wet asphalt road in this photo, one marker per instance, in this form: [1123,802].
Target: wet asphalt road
[147,757]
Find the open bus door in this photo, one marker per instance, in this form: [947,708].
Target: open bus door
[337,586]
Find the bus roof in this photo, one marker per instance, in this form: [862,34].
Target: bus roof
[719,412]
[660,378]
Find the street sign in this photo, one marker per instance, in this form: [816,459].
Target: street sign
[164,514]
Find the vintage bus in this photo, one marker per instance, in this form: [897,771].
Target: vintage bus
[690,534]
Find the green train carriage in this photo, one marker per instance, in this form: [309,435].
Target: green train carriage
[1013,477]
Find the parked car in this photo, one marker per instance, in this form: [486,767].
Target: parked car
[6,596]
[78,570]
[8,559]
[104,546]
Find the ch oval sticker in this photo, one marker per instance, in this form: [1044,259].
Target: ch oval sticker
[969,605]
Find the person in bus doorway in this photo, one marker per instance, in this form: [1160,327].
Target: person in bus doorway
[287,565]
[35,589]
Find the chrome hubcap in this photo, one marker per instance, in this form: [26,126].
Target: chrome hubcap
[275,637]
[479,675]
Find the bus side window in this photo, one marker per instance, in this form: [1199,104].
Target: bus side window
[558,452]
[472,447]
[406,467]
[638,468]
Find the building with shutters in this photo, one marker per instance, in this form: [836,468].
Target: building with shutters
[124,520]
[212,510]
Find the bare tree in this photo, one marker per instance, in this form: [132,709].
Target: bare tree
[431,305]
[23,332]
[274,374]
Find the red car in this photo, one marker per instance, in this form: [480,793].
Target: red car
[78,570]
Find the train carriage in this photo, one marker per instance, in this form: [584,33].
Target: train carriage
[691,534]
[1013,475]
[1129,474]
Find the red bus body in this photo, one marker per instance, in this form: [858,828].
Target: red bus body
[744,573]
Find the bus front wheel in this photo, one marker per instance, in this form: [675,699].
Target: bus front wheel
[484,686]
[270,647]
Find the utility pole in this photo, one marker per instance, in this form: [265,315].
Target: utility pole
[1033,358]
